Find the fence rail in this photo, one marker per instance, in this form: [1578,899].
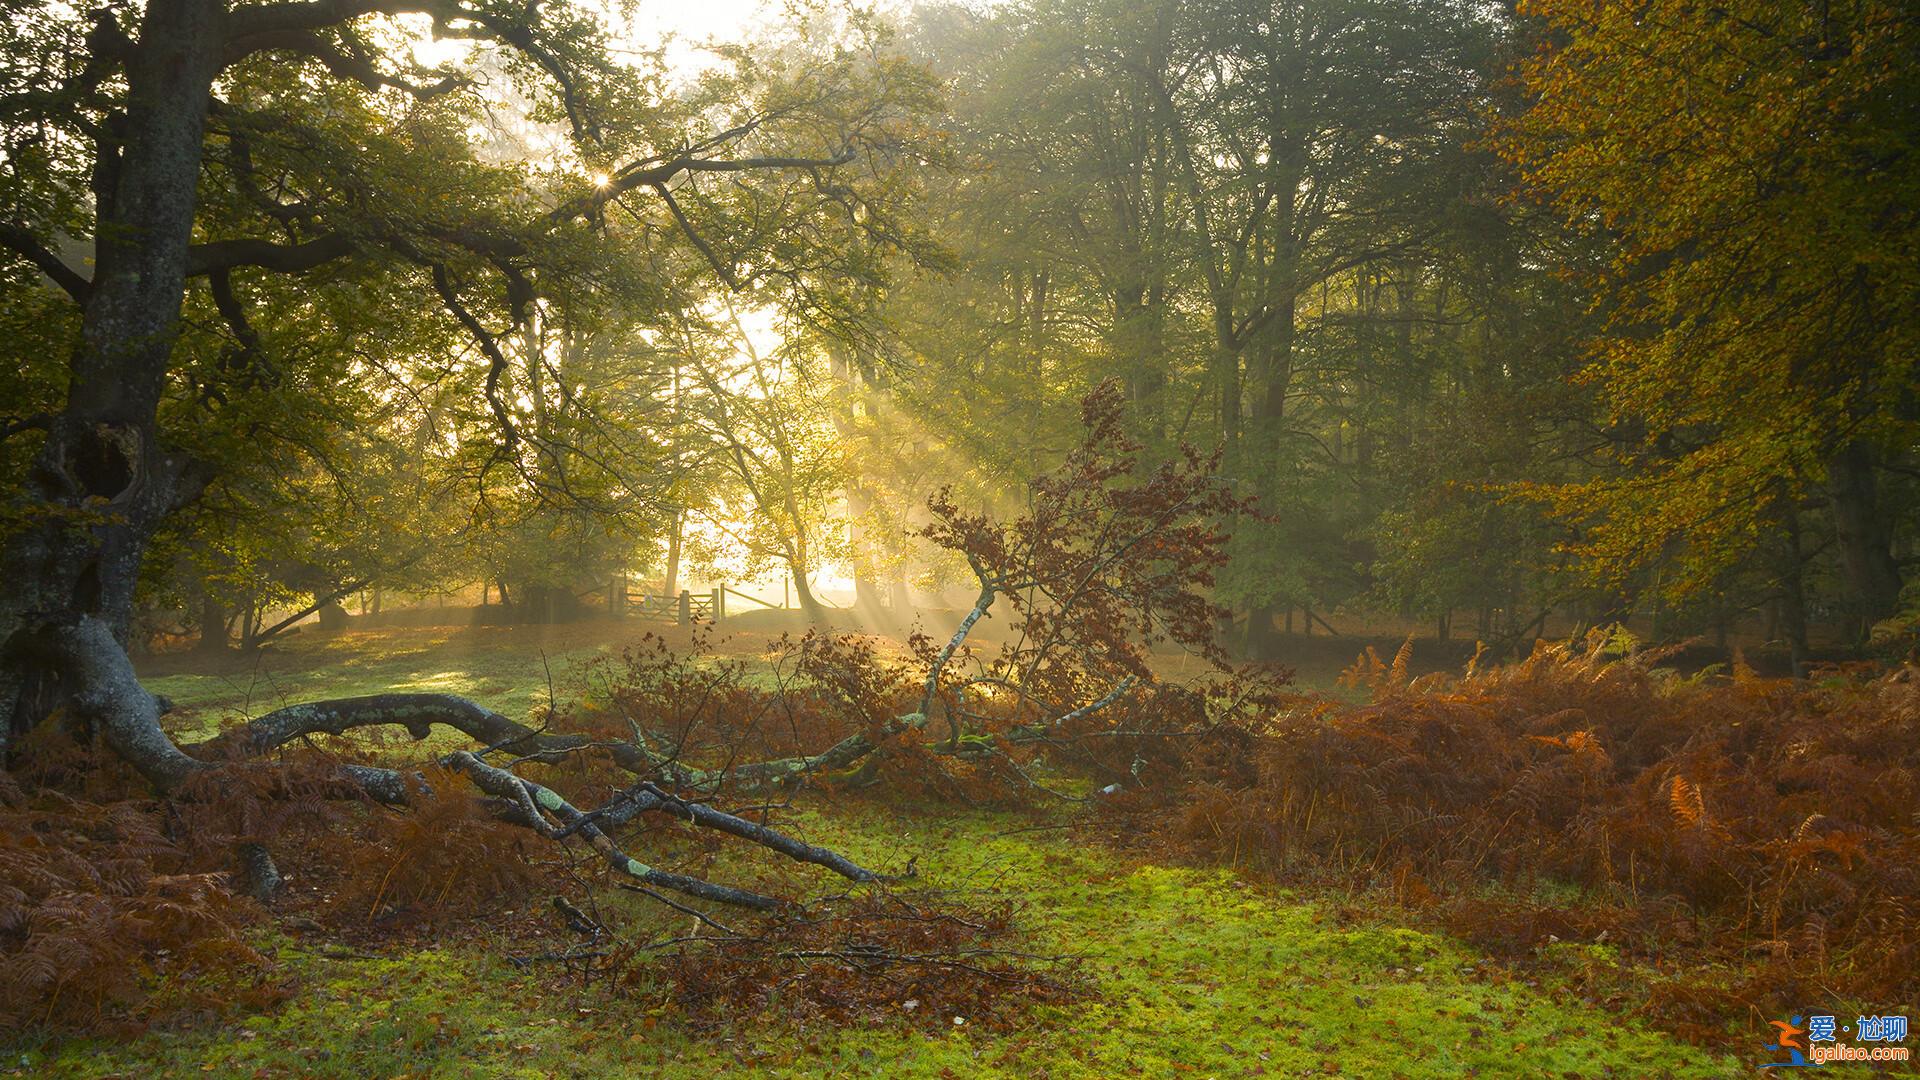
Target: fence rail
[724,591]
[683,608]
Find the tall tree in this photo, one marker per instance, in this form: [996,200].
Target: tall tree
[372,165]
[1755,167]
[1313,138]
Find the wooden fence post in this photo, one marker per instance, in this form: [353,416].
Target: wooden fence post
[686,608]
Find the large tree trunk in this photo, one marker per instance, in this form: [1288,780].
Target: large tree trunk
[102,480]
[1865,535]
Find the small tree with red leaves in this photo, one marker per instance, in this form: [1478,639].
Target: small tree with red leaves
[1107,563]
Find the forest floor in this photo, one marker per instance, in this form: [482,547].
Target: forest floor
[1189,972]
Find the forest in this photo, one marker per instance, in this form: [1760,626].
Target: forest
[947,538]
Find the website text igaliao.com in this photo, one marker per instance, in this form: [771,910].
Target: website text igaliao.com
[1821,1054]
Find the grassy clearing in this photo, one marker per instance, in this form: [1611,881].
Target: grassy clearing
[1195,974]
[509,669]
[1192,972]
[504,668]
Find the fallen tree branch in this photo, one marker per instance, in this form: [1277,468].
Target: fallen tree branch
[647,797]
[529,801]
[520,791]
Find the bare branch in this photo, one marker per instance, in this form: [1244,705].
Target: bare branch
[220,284]
[518,790]
[680,218]
[1092,707]
[253,22]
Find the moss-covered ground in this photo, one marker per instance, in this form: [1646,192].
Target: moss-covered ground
[1191,972]
[1194,973]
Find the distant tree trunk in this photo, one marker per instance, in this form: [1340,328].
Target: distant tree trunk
[804,594]
[1136,326]
[1793,619]
[1270,407]
[866,590]
[671,585]
[1793,596]
[1444,626]
[1261,641]
[249,625]
[213,626]
[1865,535]
[1226,380]
[845,415]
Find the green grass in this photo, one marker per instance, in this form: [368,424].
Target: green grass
[504,668]
[509,669]
[1191,972]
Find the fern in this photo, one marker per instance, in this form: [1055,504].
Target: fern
[1689,806]
[1730,818]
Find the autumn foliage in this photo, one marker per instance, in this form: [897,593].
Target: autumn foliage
[1765,826]
[99,898]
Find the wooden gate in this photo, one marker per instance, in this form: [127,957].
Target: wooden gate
[684,609]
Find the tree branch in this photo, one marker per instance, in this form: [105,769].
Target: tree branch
[23,242]
[204,259]
[344,65]
[519,791]
[252,22]
[496,360]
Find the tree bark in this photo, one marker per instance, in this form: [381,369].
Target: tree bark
[1270,407]
[102,480]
